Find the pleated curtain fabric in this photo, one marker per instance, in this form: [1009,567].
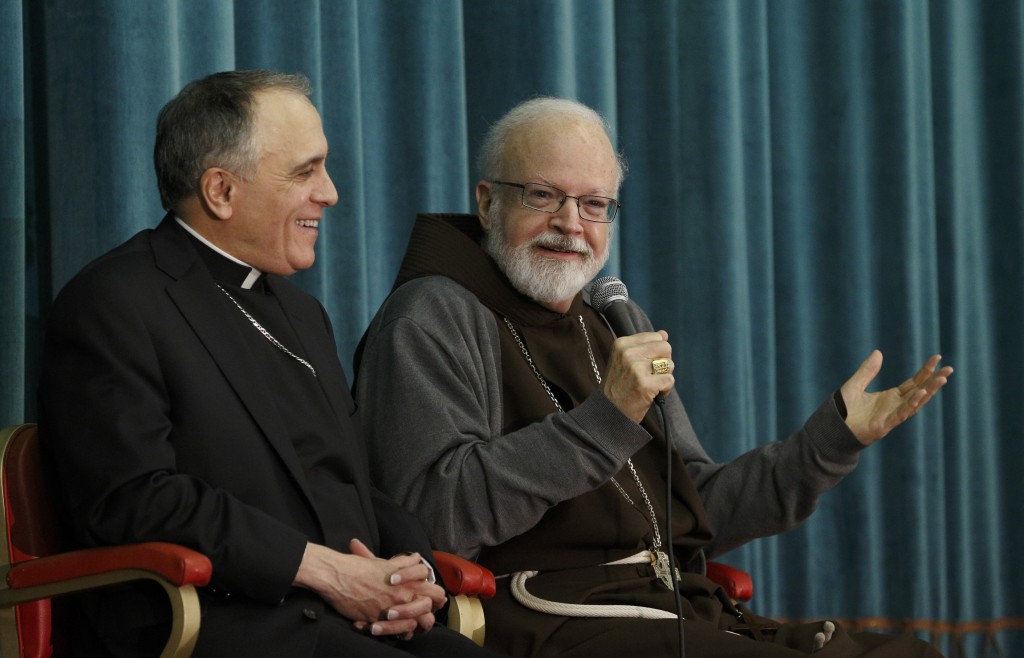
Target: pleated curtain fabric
[808,180]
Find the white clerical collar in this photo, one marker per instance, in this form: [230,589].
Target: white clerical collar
[254,274]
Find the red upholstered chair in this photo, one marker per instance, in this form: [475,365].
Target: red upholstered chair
[35,569]
[467,582]
[736,583]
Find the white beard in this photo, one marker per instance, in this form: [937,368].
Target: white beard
[544,280]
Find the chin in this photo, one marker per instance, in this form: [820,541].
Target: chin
[302,263]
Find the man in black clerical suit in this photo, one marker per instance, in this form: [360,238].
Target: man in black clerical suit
[191,394]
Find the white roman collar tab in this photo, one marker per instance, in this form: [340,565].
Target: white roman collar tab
[254,274]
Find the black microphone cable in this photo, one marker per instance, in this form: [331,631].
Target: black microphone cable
[608,296]
[674,574]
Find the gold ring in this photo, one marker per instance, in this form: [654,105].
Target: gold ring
[660,367]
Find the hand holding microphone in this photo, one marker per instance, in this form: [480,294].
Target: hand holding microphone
[640,367]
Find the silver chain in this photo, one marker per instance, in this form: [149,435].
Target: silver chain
[266,334]
[656,544]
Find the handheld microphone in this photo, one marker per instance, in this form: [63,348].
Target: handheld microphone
[608,296]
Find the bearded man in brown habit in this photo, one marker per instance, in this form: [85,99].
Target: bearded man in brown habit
[512,420]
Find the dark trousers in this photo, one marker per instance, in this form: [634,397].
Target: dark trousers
[339,639]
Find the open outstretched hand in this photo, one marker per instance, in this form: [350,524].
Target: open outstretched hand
[870,416]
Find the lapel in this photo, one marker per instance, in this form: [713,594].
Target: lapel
[303,312]
[196,296]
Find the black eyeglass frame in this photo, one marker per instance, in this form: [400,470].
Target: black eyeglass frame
[613,203]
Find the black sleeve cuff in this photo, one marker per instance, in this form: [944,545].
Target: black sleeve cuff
[840,404]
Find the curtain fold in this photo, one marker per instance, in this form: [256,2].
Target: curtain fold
[808,180]
[13,182]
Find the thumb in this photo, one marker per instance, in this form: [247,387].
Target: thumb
[865,373]
[359,549]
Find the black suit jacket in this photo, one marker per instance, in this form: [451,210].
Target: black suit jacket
[161,426]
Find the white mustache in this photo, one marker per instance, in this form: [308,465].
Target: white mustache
[562,243]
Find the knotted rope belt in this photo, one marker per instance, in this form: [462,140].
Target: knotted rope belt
[518,587]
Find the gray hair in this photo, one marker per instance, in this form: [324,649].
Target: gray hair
[492,151]
[210,124]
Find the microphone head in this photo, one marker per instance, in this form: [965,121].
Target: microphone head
[607,290]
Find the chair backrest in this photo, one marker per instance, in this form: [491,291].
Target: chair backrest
[31,529]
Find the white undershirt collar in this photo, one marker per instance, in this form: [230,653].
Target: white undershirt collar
[254,274]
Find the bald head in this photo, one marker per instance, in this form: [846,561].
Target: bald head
[529,126]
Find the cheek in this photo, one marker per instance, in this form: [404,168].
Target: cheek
[520,230]
[517,236]
[598,239]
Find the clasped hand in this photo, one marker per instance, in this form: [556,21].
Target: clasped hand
[390,597]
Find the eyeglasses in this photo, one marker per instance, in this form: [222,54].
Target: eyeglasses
[548,198]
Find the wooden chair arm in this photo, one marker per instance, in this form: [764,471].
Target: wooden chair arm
[175,568]
[466,583]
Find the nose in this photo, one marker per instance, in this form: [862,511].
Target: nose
[566,219]
[325,193]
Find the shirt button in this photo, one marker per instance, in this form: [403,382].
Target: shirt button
[310,613]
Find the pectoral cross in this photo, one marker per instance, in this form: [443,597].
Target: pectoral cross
[662,569]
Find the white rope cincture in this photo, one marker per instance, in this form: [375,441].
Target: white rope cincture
[521,595]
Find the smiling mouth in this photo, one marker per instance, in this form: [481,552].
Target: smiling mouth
[309,223]
[560,247]
[557,250]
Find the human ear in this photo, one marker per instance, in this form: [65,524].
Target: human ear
[483,202]
[218,189]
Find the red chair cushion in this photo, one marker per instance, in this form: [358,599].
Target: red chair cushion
[464,577]
[736,583]
[177,564]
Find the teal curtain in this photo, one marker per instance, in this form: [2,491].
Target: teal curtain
[809,180]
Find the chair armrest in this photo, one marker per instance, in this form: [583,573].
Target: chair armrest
[175,564]
[461,576]
[178,570]
[736,583]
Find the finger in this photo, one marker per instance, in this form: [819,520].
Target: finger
[357,547]
[425,622]
[411,573]
[416,608]
[923,395]
[921,376]
[867,371]
[430,591]
[395,627]
[651,340]
[434,592]
[939,379]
